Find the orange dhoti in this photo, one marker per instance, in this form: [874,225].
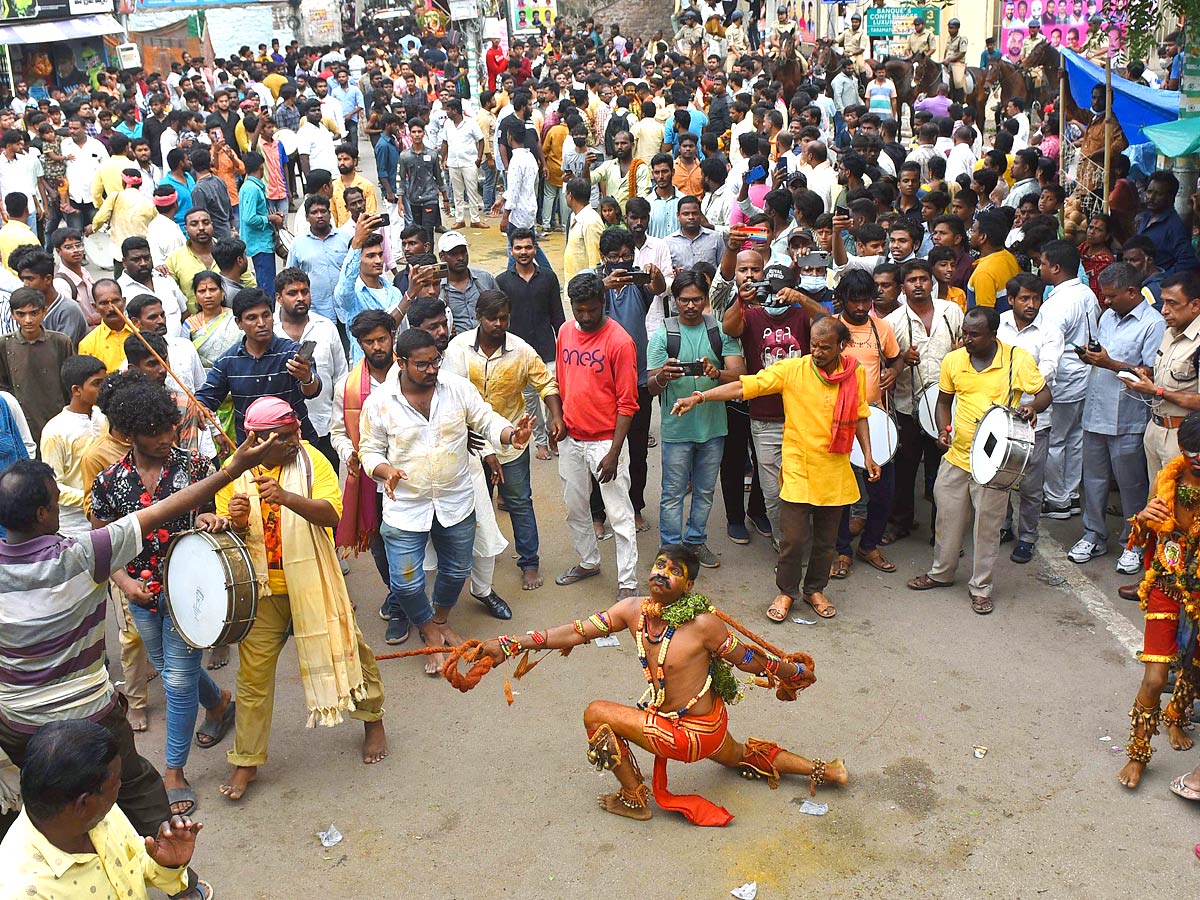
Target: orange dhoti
[687,739]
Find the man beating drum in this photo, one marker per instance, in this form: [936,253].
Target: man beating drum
[284,512]
[980,374]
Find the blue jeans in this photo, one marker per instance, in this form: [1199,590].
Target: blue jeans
[487,173]
[264,273]
[185,682]
[406,573]
[683,462]
[517,491]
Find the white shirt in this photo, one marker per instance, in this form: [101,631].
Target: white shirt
[1070,309]
[933,346]
[317,143]
[462,142]
[521,194]
[19,176]
[1022,126]
[823,181]
[716,206]
[165,289]
[329,361]
[735,149]
[1044,345]
[165,237]
[656,253]
[431,452]
[961,161]
[331,109]
[83,163]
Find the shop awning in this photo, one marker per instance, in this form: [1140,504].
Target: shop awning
[61,30]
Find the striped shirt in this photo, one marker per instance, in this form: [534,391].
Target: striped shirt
[53,599]
[245,378]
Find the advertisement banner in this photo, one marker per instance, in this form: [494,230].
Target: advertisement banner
[29,10]
[799,11]
[89,7]
[184,4]
[897,21]
[1064,23]
[529,17]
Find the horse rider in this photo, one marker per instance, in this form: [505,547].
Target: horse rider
[920,41]
[782,30]
[956,61]
[854,45]
[690,33]
[1035,77]
[737,42]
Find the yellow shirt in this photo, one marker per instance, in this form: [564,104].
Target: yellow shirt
[987,285]
[811,474]
[273,83]
[120,868]
[15,234]
[130,213]
[106,345]
[583,243]
[324,487]
[337,205]
[108,179]
[183,265]
[977,392]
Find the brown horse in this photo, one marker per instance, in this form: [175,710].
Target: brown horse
[1013,83]
[914,77]
[977,99]
[787,69]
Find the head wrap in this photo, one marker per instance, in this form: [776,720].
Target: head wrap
[164,200]
[266,413]
[132,180]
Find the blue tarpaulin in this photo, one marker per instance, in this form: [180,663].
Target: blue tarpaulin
[1135,105]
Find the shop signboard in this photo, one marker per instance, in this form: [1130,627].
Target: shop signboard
[35,10]
[897,21]
[89,7]
[184,4]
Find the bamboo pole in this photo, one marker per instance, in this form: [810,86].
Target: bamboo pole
[1063,87]
[1107,129]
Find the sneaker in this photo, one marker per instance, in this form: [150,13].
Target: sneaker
[385,610]
[398,631]
[1130,562]
[761,524]
[1073,504]
[738,533]
[1085,550]
[1022,553]
[707,558]
[1052,511]
[1007,536]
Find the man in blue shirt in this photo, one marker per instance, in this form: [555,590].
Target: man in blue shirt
[352,102]
[181,179]
[258,223]
[320,254]
[1172,242]
[361,284]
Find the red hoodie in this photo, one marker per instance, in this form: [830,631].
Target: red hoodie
[597,378]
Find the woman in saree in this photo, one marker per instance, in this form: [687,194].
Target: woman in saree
[212,331]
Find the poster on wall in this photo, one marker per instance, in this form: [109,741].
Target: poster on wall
[801,12]
[528,17]
[1064,23]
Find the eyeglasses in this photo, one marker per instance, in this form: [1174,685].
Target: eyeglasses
[428,366]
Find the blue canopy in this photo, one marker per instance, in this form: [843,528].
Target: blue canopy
[1135,105]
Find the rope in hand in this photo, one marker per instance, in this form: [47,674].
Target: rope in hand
[468,650]
[792,687]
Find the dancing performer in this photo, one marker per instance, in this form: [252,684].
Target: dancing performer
[679,632]
[1168,531]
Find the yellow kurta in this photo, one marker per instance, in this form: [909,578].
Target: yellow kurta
[106,345]
[811,474]
[337,205]
[978,391]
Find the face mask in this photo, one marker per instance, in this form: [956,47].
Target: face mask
[812,283]
[776,310]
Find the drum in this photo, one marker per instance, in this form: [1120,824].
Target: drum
[885,438]
[283,243]
[925,405]
[1001,449]
[210,588]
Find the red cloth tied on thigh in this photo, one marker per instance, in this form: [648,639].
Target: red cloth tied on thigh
[687,739]
[1161,643]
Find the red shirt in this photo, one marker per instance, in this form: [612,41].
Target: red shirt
[497,62]
[597,378]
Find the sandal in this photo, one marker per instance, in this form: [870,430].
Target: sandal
[780,607]
[841,567]
[216,731]
[184,794]
[574,574]
[1179,789]
[925,583]
[876,559]
[893,534]
[981,605]
[820,605]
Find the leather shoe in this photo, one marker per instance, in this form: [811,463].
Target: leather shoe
[1128,592]
[495,606]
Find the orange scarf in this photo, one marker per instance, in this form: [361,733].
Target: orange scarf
[845,411]
[359,521]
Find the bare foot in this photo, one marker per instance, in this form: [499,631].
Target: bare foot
[137,719]
[218,658]
[543,452]
[1131,774]
[1179,738]
[640,524]
[431,635]
[531,579]
[450,637]
[612,803]
[375,745]
[835,772]
[239,781]
[598,527]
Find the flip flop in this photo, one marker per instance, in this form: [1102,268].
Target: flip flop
[876,559]
[780,607]
[981,605]
[925,583]
[205,890]
[1179,789]
[891,535]
[823,607]
[841,567]
[574,574]
[182,795]
[216,731]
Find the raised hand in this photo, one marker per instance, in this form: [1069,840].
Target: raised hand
[175,842]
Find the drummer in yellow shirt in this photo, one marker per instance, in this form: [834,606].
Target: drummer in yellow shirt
[980,374]
[817,478]
[106,341]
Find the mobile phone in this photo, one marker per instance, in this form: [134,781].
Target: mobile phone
[307,348]
[756,173]
[1128,375]
[441,270]
[640,277]
[693,368]
[1079,351]
[385,219]
[842,211]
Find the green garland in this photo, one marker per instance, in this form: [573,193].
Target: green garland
[682,611]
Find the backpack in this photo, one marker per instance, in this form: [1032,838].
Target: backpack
[616,122]
[675,339]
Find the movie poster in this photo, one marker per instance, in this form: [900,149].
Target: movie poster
[528,17]
[1064,23]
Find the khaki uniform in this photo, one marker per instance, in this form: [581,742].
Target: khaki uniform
[958,70]
[1175,370]
[736,44]
[1036,73]
[924,42]
[854,46]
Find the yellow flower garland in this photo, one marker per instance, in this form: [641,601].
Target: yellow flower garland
[1160,567]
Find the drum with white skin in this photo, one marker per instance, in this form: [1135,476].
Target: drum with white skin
[210,588]
[885,439]
[1001,449]
[925,406]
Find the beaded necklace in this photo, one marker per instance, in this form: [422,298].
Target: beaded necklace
[656,692]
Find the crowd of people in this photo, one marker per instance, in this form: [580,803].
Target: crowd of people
[299,360]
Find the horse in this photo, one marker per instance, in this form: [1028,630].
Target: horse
[1013,83]
[914,77]
[787,69]
[826,58]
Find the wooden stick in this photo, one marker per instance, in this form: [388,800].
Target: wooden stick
[204,410]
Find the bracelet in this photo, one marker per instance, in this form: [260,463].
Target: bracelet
[509,645]
[310,382]
[1160,392]
[699,395]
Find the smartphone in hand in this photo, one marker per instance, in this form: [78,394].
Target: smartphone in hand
[306,351]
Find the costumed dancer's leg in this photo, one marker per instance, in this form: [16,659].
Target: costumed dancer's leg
[764,759]
[1177,714]
[1160,649]
[610,727]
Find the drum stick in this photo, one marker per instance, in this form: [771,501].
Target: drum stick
[204,410]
